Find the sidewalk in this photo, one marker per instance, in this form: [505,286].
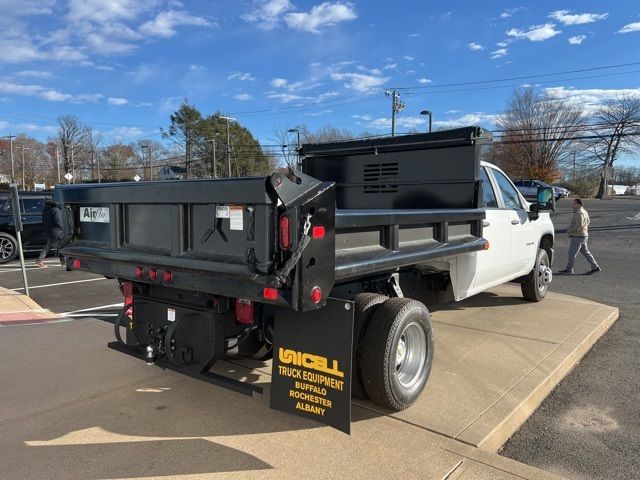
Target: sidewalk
[18,309]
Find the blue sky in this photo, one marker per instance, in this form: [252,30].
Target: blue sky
[122,66]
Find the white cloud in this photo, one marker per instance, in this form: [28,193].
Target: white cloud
[577,40]
[284,97]
[451,112]
[408,58]
[359,81]
[390,66]
[423,81]
[279,82]
[475,118]
[630,27]
[49,94]
[501,52]
[414,35]
[325,14]
[536,33]
[28,7]
[34,74]
[446,16]
[565,17]
[317,114]
[165,23]
[101,11]
[243,97]
[242,76]
[475,46]
[267,13]
[590,99]
[19,50]
[117,101]
[503,44]
[126,132]
[143,72]
[510,11]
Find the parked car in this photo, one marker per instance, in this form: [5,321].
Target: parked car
[529,188]
[34,235]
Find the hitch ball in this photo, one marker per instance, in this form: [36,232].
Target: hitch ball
[150,358]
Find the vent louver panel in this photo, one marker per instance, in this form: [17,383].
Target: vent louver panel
[381,178]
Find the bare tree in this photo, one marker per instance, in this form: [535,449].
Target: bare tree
[119,162]
[616,131]
[537,135]
[74,140]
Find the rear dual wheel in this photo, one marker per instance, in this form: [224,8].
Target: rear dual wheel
[396,353]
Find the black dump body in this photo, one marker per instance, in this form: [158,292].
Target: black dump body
[381,205]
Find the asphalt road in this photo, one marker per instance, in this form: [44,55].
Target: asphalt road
[587,428]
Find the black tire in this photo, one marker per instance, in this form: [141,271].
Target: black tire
[365,305]
[8,248]
[534,288]
[397,353]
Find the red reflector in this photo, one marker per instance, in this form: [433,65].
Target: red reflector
[167,276]
[153,274]
[317,232]
[127,291]
[139,272]
[316,295]
[285,232]
[244,311]
[270,293]
[76,263]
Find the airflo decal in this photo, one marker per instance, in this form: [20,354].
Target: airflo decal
[94,214]
[311,374]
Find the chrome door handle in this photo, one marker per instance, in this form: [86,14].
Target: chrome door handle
[486,224]
[515,222]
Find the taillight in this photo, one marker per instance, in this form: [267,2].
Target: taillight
[127,291]
[285,232]
[153,274]
[76,263]
[270,293]
[167,276]
[317,232]
[139,272]
[316,294]
[244,311]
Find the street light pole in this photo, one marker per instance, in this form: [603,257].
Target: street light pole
[23,149]
[213,160]
[58,162]
[73,167]
[427,112]
[145,149]
[11,137]
[228,143]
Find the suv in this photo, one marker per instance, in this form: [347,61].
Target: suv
[529,188]
[34,235]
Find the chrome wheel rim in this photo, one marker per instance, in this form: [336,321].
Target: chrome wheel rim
[411,354]
[6,248]
[542,276]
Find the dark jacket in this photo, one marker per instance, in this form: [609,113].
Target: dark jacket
[52,220]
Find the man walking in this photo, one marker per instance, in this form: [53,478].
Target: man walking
[52,221]
[578,232]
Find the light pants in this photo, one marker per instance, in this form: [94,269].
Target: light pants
[579,244]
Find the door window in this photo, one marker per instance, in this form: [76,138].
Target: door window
[32,205]
[488,195]
[509,193]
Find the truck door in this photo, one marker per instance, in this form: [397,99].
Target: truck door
[493,265]
[523,231]
[34,233]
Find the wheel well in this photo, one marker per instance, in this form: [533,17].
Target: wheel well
[546,243]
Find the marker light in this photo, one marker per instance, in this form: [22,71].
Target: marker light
[244,311]
[76,263]
[167,276]
[270,293]
[317,232]
[153,274]
[316,295]
[139,272]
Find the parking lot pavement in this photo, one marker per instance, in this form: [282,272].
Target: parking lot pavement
[77,293]
[89,412]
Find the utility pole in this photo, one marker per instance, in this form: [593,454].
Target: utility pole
[13,175]
[227,153]
[297,131]
[58,162]
[73,167]
[574,166]
[23,149]
[213,160]
[397,106]
[145,149]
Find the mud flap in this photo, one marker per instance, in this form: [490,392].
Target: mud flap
[311,374]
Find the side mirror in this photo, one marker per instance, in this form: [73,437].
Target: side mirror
[546,199]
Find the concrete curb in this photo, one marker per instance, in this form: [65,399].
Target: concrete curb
[518,405]
[19,309]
